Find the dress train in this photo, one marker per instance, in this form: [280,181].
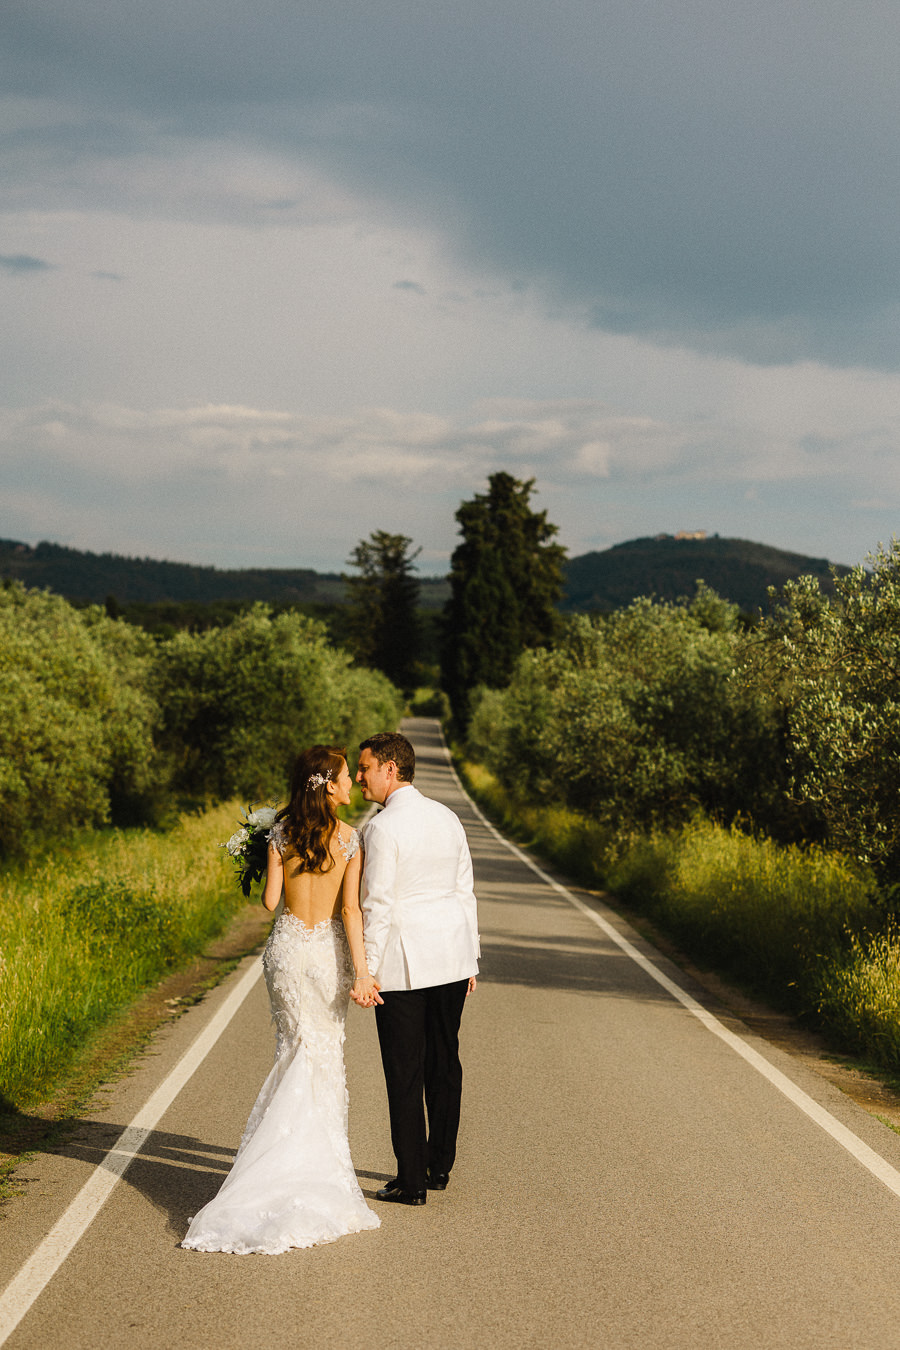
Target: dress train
[292,1183]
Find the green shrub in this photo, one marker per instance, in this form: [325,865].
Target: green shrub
[770,914]
[76,718]
[835,665]
[637,720]
[431,703]
[98,723]
[780,919]
[239,702]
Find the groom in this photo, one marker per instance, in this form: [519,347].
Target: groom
[421,936]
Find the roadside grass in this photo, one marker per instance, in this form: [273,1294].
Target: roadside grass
[89,924]
[800,926]
[774,916]
[578,845]
[860,995]
[428,701]
[110,1049]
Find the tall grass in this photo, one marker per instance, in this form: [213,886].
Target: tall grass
[87,924]
[774,916]
[859,996]
[801,926]
[581,846]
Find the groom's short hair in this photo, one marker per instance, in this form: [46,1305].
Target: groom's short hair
[391,745]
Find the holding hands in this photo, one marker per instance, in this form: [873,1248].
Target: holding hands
[364,991]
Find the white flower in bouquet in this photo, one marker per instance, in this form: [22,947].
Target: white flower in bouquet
[235,844]
[264,818]
[248,845]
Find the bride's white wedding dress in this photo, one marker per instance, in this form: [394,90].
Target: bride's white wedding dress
[292,1183]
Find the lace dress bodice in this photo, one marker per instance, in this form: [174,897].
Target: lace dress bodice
[309,975]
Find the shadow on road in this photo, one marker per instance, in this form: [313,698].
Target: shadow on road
[576,965]
[378,1178]
[493,883]
[176,1173]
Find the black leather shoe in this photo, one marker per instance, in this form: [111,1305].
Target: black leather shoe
[437,1181]
[398,1196]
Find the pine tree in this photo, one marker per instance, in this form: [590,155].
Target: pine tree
[383,615]
[506,580]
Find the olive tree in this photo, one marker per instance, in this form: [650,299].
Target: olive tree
[239,702]
[637,718]
[837,660]
[77,718]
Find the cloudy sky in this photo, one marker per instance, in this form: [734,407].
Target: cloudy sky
[274,276]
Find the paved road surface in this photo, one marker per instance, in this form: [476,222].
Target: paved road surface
[625,1179]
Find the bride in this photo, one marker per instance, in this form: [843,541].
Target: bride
[292,1183]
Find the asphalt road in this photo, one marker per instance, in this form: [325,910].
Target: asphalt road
[624,1179]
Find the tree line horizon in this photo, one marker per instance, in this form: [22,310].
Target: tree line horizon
[152,592]
[789,722]
[786,723]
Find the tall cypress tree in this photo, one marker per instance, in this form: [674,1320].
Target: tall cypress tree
[506,580]
[383,616]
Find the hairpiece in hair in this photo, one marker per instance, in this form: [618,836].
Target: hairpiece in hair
[318,779]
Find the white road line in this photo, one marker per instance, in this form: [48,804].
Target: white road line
[40,1268]
[46,1260]
[872,1161]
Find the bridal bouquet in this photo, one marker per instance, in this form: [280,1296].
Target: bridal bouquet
[248,845]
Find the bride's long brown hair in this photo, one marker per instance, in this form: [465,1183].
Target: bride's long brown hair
[309,820]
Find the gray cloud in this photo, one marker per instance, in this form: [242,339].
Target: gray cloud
[709,175]
[23,263]
[227,484]
[365,256]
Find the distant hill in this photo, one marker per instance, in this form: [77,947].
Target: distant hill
[669,568]
[665,567]
[92,577]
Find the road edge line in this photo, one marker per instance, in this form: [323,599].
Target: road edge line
[872,1161]
[37,1272]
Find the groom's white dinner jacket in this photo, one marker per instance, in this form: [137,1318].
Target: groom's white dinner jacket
[419,912]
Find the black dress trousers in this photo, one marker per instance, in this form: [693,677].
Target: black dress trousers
[418,1031]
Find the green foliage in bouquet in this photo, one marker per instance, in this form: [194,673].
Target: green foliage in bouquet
[248,846]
